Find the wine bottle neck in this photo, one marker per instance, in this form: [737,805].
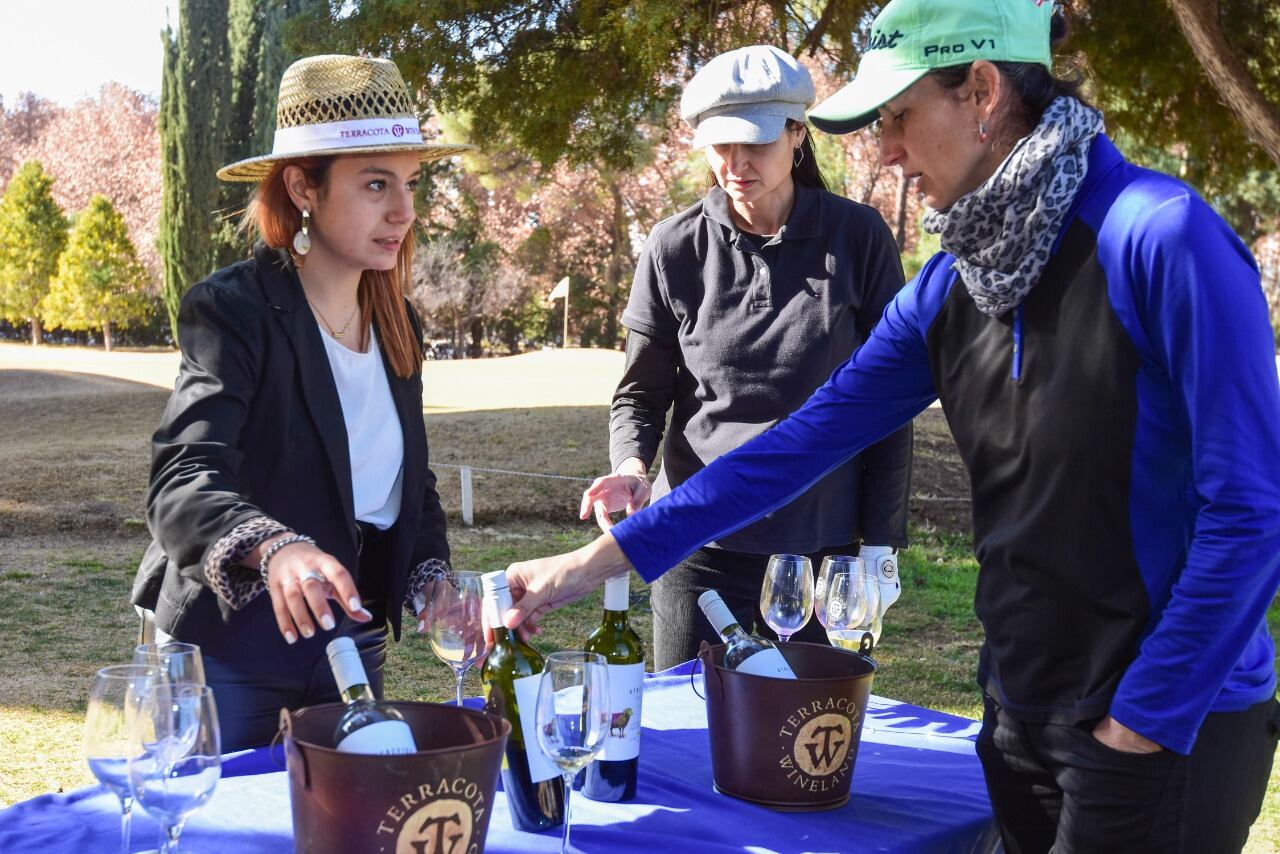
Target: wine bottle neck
[614,619]
[731,631]
[358,693]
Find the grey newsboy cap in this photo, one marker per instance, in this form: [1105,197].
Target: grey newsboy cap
[746,96]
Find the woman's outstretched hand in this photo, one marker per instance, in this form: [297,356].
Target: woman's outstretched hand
[542,585]
[626,489]
[300,580]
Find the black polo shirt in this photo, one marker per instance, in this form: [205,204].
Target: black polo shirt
[735,331]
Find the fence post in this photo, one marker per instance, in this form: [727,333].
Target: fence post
[464,473]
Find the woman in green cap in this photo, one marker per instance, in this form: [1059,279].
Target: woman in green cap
[1100,344]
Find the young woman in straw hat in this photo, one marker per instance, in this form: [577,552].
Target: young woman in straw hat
[1100,344]
[290,469]
[742,306]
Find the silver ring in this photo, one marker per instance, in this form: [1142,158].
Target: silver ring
[312,576]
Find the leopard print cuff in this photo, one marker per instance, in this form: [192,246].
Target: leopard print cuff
[423,574]
[234,583]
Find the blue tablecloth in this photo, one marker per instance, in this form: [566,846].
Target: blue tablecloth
[917,787]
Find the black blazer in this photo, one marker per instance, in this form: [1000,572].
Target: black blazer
[254,426]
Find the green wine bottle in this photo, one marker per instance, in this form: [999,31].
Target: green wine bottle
[612,775]
[511,673]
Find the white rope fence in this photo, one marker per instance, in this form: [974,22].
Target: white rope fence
[468,503]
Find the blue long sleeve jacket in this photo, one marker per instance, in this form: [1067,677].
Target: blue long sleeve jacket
[1121,430]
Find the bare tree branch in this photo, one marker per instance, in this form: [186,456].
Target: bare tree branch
[1200,22]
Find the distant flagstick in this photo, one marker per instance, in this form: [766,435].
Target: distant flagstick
[561,291]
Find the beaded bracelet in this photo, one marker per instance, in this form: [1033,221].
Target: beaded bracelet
[277,546]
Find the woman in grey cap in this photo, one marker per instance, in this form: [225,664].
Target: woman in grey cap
[743,305]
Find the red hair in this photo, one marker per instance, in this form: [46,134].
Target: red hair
[381,293]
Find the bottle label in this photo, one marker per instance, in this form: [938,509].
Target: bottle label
[767,662]
[540,767]
[626,696]
[383,737]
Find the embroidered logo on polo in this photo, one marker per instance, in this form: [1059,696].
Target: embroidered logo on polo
[439,819]
[817,743]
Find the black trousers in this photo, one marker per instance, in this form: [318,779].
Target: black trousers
[679,626]
[1056,788]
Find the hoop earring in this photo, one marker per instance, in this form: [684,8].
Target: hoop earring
[302,239]
[982,132]
[798,158]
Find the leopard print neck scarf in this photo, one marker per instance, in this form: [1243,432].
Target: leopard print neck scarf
[1001,233]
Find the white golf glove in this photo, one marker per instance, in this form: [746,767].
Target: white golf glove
[885,560]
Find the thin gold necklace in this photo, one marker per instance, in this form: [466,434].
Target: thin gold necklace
[338,333]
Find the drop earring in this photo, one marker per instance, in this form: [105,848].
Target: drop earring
[799,157]
[982,132]
[302,238]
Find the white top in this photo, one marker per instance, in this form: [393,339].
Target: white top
[374,438]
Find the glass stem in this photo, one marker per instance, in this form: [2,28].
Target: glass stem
[171,834]
[460,674]
[568,789]
[126,813]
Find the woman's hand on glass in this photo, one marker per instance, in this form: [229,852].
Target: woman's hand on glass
[626,489]
[301,579]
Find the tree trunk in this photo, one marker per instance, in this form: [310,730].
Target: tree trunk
[106,335]
[1201,23]
[35,332]
[870,187]
[900,229]
[618,239]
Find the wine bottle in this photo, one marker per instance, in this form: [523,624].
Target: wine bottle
[511,673]
[612,775]
[367,725]
[743,652]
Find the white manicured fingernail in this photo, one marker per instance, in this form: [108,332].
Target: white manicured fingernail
[354,602]
[308,632]
[365,612]
[290,637]
[422,626]
[327,622]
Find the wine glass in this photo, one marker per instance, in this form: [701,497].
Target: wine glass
[832,565]
[457,631]
[572,715]
[178,760]
[786,599]
[180,661]
[107,743]
[852,602]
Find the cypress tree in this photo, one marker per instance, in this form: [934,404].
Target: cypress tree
[193,111]
[33,231]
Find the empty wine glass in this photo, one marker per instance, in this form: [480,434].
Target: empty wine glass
[180,661]
[457,630]
[572,716]
[107,742]
[178,759]
[852,603]
[832,565]
[786,599]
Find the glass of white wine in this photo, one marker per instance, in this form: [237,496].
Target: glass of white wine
[572,716]
[852,601]
[786,598]
[456,628]
[107,744]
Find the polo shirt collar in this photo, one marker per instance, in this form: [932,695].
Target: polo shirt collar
[804,221]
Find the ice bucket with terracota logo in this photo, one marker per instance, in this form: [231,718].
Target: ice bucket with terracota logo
[787,744]
[438,799]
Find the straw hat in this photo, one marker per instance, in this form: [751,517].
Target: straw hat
[341,105]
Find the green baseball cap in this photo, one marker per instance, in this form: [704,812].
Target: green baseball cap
[910,38]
